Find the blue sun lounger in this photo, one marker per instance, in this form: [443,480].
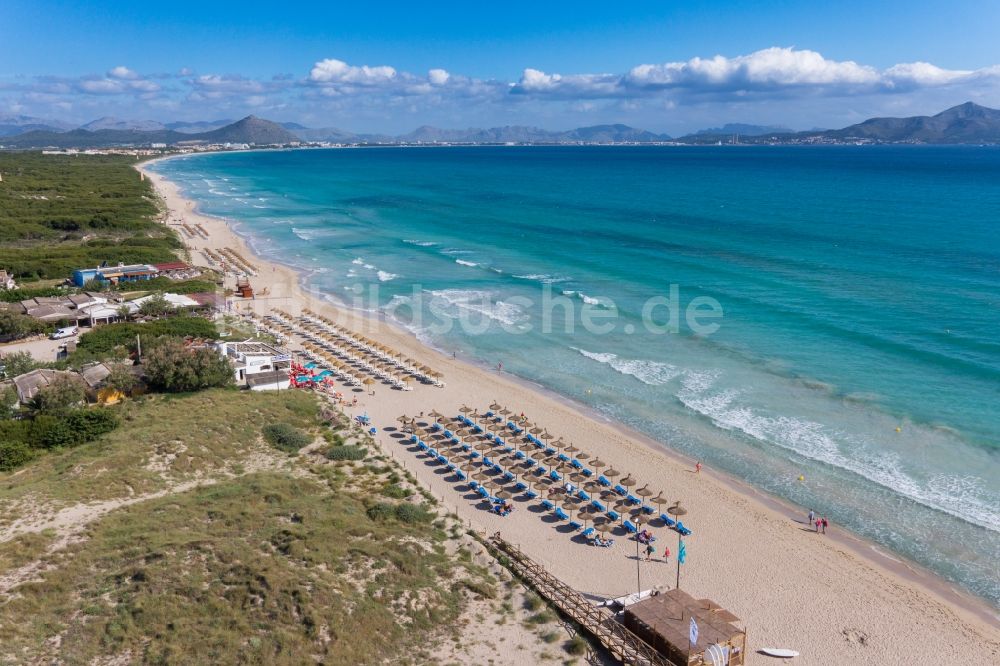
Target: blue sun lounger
[576,463]
[508,476]
[520,455]
[621,490]
[554,475]
[588,533]
[603,480]
[561,514]
[597,505]
[582,494]
[630,527]
[683,530]
[667,520]
[632,499]
[548,505]
[648,510]
[520,485]
[575,525]
[422,446]
[614,515]
[460,474]
[482,492]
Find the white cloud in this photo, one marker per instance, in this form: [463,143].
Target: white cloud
[438,77]
[332,70]
[122,72]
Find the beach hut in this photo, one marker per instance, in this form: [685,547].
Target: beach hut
[664,620]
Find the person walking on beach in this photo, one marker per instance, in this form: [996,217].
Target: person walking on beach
[666,554]
[650,551]
[500,366]
[812,517]
[819,523]
[697,467]
[824,522]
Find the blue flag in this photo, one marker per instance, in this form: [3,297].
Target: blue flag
[682,552]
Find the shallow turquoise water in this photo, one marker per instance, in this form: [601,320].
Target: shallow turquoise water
[859,290]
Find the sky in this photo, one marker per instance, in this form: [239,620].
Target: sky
[667,66]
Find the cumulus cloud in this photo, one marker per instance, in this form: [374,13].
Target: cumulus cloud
[438,77]
[332,70]
[122,72]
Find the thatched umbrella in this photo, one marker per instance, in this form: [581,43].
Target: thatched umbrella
[468,467]
[495,405]
[480,476]
[436,414]
[582,456]
[569,450]
[644,492]
[612,473]
[577,477]
[536,431]
[597,464]
[628,481]
[491,484]
[659,500]
[464,409]
[676,510]
[504,412]
[547,435]
[483,446]
[504,494]
[603,526]
[592,486]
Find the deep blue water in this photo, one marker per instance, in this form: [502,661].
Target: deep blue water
[859,290]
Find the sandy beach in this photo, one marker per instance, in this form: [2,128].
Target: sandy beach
[835,598]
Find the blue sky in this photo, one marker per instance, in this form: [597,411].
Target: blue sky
[667,65]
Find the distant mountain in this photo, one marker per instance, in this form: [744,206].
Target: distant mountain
[331,134]
[111,123]
[524,134]
[11,125]
[293,126]
[965,123]
[197,126]
[745,130]
[249,130]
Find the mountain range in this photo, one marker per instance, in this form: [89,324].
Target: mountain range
[965,123]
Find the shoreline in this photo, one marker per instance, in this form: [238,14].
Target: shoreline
[851,554]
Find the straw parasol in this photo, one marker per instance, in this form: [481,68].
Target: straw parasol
[490,483]
[480,476]
[597,464]
[592,486]
[569,449]
[612,473]
[464,409]
[483,446]
[659,501]
[504,412]
[468,467]
[582,456]
[495,405]
[547,435]
[603,526]
[644,492]
[628,481]
[504,494]
[436,414]
[536,431]
[577,477]
[676,510]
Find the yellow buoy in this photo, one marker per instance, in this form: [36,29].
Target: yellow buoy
[801,478]
[899,429]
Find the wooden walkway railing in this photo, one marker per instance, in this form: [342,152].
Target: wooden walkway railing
[599,621]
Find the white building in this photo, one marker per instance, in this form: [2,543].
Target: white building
[260,366]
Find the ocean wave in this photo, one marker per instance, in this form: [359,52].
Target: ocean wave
[589,300]
[304,234]
[358,262]
[419,242]
[652,373]
[385,276]
[543,278]
[461,301]
[962,497]
[465,263]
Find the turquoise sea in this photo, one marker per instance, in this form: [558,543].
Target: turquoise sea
[859,291]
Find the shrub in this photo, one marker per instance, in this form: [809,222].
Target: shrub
[346,453]
[155,306]
[13,325]
[13,455]
[77,427]
[577,645]
[105,338]
[63,393]
[172,367]
[18,363]
[286,437]
[412,513]
[396,491]
[382,511]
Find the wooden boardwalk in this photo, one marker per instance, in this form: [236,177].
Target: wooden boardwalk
[599,621]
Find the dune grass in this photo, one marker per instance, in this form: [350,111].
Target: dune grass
[287,565]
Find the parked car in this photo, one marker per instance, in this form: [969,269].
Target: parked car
[66,332]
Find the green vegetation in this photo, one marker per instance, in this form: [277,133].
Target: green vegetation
[172,367]
[104,339]
[62,212]
[286,437]
[178,286]
[268,567]
[14,326]
[346,453]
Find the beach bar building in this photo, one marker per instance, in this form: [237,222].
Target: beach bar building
[114,274]
[258,365]
[664,621]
